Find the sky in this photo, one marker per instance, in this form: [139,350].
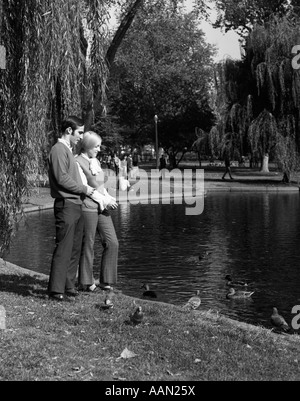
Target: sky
[227,44]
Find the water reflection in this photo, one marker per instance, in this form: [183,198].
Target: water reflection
[253,237]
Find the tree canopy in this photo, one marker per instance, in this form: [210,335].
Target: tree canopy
[242,15]
[260,94]
[164,67]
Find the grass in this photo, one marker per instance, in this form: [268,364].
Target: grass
[77,341]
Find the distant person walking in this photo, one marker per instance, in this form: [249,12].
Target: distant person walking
[135,159]
[123,166]
[162,165]
[226,157]
[68,190]
[135,165]
[129,166]
[116,162]
[162,162]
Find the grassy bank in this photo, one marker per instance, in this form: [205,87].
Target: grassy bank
[78,341]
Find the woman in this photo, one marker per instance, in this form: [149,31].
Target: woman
[96,219]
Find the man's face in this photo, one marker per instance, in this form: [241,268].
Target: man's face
[77,135]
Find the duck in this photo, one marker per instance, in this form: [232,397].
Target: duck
[138,316]
[148,293]
[194,302]
[279,321]
[204,255]
[108,304]
[109,295]
[233,294]
[235,283]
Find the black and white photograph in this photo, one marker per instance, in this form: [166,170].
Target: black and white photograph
[149,193]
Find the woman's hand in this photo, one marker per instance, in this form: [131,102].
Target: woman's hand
[112,205]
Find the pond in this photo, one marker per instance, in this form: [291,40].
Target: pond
[254,237]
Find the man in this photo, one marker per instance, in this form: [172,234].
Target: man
[226,157]
[68,191]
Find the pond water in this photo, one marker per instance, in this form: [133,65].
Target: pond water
[253,237]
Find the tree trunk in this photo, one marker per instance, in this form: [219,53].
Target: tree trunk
[172,160]
[121,32]
[265,164]
[94,105]
[199,159]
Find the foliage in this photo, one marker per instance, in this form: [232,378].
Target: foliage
[110,132]
[163,68]
[46,78]
[201,144]
[262,104]
[242,15]
[263,132]
[234,107]
[287,152]
[277,82]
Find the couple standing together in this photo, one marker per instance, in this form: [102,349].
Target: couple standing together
[81,209]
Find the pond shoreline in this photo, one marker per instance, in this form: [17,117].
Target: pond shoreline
[245,180]
[209,316]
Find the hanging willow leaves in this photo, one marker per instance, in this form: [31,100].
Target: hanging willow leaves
[47,77]
[287,155]
[249,107]
[263,133]
[261,73]
[271,95]
[233,101]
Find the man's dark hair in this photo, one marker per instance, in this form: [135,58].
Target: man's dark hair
[71,122]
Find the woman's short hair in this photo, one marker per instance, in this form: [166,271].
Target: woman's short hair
[90,140]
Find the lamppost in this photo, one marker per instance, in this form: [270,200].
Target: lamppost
[156,141]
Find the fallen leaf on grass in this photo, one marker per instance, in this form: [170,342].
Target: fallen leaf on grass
[126,354]
[78,369]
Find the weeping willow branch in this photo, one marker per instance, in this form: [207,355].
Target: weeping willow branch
[286,151]
[47,78]
[255,111]
[263,133]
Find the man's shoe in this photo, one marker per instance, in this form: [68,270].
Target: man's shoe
[104,286]
[72,293]
[56,297]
